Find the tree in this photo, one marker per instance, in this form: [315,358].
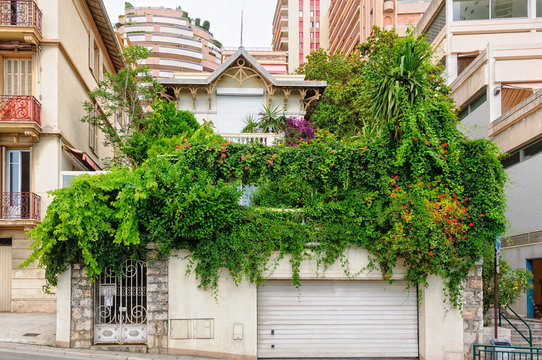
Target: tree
[198,22]
[206,25]
[122,98]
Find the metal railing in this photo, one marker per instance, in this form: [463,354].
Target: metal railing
[501,352]
[528,338]
[20,108]
[20,13]
[20,206]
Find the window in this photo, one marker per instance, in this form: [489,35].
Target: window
[489,9]
[538,8]
[528,151]
[473,105]
[300,13]
[93,133]
[317,24]
[312,13]
[312,46]
[94,57]
[17,76]
[312,35]
[312,24]
[18,171]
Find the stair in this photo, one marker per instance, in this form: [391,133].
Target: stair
[536,329]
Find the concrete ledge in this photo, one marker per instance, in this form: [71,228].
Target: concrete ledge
[210,354]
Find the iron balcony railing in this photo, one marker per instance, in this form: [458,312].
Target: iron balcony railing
[20,206]
[501,352]
[20,13]
[20,108]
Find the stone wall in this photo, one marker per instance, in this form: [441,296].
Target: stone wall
[157,304]
[82,325]
[473,313]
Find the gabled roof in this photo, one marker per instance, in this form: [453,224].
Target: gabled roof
[242,53]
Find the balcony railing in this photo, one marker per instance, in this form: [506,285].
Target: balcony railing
[20,108]
[20,206]
[248,138]
[20,13]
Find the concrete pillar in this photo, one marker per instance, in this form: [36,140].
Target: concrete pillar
[63,309]
[473,314]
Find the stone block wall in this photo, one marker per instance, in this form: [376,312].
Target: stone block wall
[81,324]
[157,304]
[473,313]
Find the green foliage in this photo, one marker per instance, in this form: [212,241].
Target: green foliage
[217,43]
[206,25]
[429,199]
[122,98]
[128,5]
[198,22]
[272,119]
[250,124]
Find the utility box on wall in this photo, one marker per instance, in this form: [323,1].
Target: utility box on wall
[192,329]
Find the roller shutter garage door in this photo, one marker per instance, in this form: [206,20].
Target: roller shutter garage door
[333,319]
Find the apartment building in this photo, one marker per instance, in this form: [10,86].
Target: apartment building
[492,50]
[275,62]
[52,53]
[299,27]
[351,21]
[177,43]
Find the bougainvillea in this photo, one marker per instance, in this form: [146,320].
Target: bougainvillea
[297,130]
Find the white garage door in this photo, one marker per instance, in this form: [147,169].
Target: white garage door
[233,107]
[337,319]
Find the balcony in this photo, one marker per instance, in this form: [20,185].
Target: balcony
[16,206]
[388,5]
[20,115]
[20,20]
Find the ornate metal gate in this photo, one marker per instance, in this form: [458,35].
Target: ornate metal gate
[120,309]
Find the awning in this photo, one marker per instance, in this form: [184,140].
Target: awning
[82,157]
[533,85]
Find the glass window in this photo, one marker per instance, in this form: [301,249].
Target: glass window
[508,8]
[538,8]
[301,13]
[510,160]
[317,24]
[476,103]
[532,150]
[471,9]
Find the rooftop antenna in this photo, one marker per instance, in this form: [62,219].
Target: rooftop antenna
[241,45]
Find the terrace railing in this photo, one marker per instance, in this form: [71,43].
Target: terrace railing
[20,108]
[20,206]
[20,13]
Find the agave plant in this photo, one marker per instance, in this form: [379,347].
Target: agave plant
[251,124]
[272,119]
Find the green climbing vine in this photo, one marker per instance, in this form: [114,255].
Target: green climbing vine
[416,193]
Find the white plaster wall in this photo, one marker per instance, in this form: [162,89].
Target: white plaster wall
[441,328]
[524,196]
[235,304]
[63,309]
[476,124]
[46,168]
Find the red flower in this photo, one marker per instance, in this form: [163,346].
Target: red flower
[481,214]
[415,139]
[471,224]
[246,168]
[386,276]
[270,162]
[188,145]
[223,155]
[242,157]
[211,148]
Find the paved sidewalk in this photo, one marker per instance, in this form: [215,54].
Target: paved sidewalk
[28,328]
[45,352]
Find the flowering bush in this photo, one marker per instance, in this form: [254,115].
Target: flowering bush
[297,130]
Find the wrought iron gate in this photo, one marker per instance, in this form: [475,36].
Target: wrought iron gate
[120,311]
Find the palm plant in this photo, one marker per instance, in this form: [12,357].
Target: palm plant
[251,124]
[272,119]
[403,82]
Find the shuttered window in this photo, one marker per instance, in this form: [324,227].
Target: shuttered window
[17,76]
